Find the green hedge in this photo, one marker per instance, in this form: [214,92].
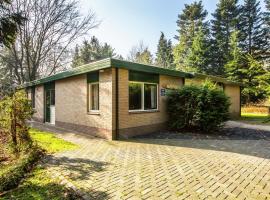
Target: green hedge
[12,177]
[204,108]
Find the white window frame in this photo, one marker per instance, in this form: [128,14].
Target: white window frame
[142,96]
[90,95]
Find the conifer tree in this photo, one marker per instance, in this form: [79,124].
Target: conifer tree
[164,55]
[91,51]
[243,67]
[192,17]
[76,61]
[225,19]
[266,28]
[253,90]
[235,66]
[169,59]
[198,58]
[252,33]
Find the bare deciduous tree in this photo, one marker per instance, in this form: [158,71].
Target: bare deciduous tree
[140,54]
[41,47]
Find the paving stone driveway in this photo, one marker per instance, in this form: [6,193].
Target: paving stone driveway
[167,168]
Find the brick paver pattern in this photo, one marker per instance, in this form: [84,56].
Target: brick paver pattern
[141,170]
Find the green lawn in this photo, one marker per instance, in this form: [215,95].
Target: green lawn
[255,118]
[50,142]
[38,185]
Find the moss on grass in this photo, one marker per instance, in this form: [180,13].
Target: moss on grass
[255,118]
[49,142]
[39,186]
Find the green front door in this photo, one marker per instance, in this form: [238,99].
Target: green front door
[49,100]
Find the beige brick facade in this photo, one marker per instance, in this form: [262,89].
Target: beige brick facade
[39,103]
[233,91]
[131,123]
[71,102]
[71,105]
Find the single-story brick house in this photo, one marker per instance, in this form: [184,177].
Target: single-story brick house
[112,98]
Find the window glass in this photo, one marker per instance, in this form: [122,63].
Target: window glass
[33,94]
[135,96]
[150,96]
[52,97]
[94,96]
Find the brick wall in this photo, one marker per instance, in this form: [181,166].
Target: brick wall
[131,124]
[39,103]
[71,105]
[233,91]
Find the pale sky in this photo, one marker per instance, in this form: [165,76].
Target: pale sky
[126,22]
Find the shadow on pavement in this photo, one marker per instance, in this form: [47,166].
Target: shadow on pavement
[240,140]
[77,168]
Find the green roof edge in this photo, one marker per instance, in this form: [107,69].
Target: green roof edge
[148,68]
[112,62]
[217,79]
[98,65]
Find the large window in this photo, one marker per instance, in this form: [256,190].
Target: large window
[143,96]
[94,96]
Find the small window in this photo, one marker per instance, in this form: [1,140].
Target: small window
[143,96]
[94,96]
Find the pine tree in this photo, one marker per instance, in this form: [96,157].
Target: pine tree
[245,68]
[169,56]
[189,21]
[192,17]
[161,51]
[164,55]
[91,51]
[225,19]
[253,90]
[253,35]
[76,61]
[85,52]
[266,28]
[197,59]
[235,66]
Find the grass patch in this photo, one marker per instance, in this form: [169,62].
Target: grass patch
[39,187]
[14,173]
[255,118]
[49,142]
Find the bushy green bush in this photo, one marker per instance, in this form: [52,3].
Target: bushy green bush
[203,108]
[15,110]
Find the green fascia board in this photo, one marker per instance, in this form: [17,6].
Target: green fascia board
[148,68]
[98,65]
[217,79]
[104,64]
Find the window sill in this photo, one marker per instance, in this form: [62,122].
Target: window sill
[142,111]
[93,113]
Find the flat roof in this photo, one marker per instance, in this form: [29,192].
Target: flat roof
[108,63]
[121,64]
[216,79]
